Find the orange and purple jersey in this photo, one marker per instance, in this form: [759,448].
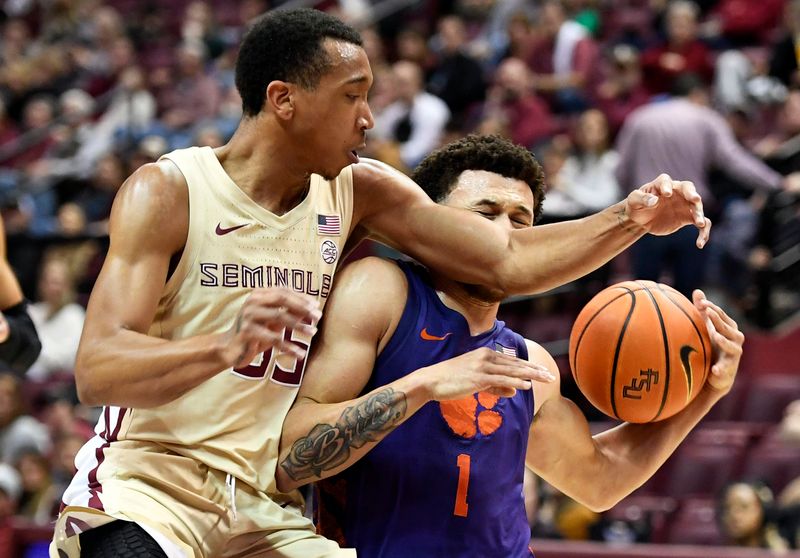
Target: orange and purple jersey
[448,481]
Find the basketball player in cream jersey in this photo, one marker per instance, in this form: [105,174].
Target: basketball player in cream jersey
[219,264]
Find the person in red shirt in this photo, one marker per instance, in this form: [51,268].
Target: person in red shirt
[681,53]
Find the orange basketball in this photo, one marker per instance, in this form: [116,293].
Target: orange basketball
[639,351]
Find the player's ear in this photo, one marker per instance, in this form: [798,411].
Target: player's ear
[279,99]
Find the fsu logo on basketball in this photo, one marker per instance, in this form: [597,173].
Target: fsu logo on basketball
[634,391]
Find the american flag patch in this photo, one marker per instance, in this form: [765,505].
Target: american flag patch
[329,224]
[510,351]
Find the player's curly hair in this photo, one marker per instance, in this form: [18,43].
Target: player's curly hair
[438,172]
[286,45]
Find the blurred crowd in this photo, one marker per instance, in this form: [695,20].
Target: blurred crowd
[606,93]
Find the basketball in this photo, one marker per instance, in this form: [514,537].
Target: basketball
[639,351]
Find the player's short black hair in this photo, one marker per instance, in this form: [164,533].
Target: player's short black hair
[438,172]
[286,45]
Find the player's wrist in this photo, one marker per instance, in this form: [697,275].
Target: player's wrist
[420,385]
[623,220]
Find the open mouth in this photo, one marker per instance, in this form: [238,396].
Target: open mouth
[354,156]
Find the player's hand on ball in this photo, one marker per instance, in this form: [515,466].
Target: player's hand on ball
[482,370]
[665,205]
[261,322]
[726,340]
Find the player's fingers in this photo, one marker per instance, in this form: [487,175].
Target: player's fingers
[687,189]
[640,198]
[518,368]
[663,184]
[724,315]
[504,381]
[277,319]
[704,233]
[292,302]
[733,336]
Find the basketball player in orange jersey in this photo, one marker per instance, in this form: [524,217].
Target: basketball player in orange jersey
[218,266]
[436,457]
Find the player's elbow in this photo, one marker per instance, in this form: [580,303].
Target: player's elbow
[87,382]
[599,501]
[88,393]
[284,482]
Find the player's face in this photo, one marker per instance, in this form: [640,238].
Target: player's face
[332,120]
[508,202]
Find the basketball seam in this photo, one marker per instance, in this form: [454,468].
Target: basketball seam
[697,329]
[666,352]
[586,326]
[617,350]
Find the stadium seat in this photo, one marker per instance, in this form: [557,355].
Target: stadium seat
[695,523]
[702,470]
[768,395]
[655,511]
[773,461]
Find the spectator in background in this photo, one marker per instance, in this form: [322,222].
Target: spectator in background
[458,78]
[416,120]
[745,516]
[564,60]
[191,96]
[586,182]
[511,104]
[621,90]
[18,431]
[684,137]
[39,501]
[783,59]
[58,319]
[682,52]
[86,209]
[130,112]
[10,491]
[199,25]
[742,23]
[411,45]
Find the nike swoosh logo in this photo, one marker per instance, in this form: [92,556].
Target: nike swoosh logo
[428,337]
[221,232]
[686,350]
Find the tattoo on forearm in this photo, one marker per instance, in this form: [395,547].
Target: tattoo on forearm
[622,221]
[328,446]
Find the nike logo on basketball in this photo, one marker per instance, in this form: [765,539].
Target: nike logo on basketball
[428,337]
[221,232]
[686,350]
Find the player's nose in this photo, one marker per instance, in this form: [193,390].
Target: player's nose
[366,121]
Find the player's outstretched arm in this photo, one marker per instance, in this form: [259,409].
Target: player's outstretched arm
[330,427]
[395,211]
[599,471]
[117,362]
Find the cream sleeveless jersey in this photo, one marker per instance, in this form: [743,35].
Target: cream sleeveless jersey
[232,422]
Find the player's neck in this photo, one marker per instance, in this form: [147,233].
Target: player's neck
[262,166]
[480,314]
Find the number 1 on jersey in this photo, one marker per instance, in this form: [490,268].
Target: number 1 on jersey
[462,508]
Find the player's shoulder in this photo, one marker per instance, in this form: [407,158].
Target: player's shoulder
[537,353]
[156,183]
[153,203]
[373,274]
